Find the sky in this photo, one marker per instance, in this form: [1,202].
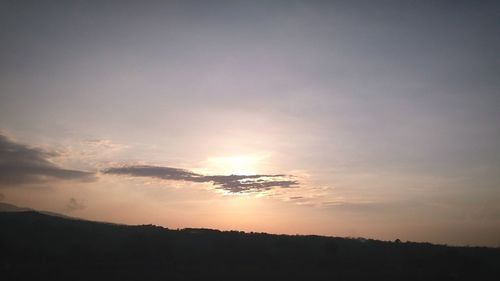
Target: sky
[375,119]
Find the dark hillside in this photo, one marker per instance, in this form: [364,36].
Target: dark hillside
[35,246]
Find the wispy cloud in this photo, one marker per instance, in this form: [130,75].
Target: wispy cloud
[230,183]
[74,205]
[21,164]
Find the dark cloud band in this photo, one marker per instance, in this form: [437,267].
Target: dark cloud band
[20,164]
[230,183]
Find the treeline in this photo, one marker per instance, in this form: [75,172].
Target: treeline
[35,246]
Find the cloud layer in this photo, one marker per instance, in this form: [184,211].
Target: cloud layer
[230,183]
[20,164]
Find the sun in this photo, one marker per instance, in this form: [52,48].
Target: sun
[235,165]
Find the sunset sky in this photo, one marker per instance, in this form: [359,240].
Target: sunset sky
[376,119]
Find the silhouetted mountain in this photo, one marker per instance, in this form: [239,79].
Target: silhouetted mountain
[6,207]
[35,246]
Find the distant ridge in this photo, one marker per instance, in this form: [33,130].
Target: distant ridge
[5,207]
[38,246]
[9,208]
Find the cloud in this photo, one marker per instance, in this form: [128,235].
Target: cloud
[20,164]
[74,205]
[165,173]
[2,196]
[230,183]
[238,184]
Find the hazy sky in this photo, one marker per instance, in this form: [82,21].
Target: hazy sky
[378,119]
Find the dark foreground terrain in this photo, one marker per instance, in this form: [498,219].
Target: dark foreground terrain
[36,246]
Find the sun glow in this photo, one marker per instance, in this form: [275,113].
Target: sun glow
[235,165]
